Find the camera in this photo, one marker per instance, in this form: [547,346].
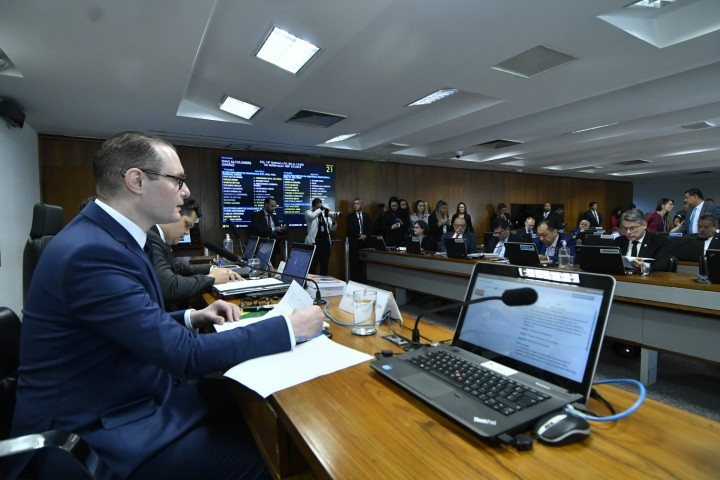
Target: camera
[334,215]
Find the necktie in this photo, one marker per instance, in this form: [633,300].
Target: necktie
[498,249]
[693,222]
[269,220]
[597,220]
[634,252]
[359,215]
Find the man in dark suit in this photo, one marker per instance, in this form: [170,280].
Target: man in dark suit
[635,241]
[100,356]
[359,226]
[459,226]
[593,215]
[696,207]
[501,234]
[179,281]
[549,240]
[265,223]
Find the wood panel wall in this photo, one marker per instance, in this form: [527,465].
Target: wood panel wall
[67,179]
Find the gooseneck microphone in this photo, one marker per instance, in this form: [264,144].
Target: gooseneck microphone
[512,298]
[217,249]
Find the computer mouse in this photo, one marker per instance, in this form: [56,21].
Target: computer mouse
[561,428]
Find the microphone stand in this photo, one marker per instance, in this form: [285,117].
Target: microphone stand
[513,297]
[240,261]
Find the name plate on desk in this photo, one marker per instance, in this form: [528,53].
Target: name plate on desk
[385,301]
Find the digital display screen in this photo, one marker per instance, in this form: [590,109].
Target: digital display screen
[246,183]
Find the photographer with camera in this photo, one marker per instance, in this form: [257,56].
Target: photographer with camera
[320,222]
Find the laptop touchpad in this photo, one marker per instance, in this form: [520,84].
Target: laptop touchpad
[430,387]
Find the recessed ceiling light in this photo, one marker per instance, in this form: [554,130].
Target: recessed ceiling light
[401,145]
[286,51]
[652,3]
[434,97]
[595,128]
[340,138]
[238,107]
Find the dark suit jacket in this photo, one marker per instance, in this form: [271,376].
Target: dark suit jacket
[353,226]
[706,208]
[652,246]
[469,237]
[259,225]
[99,355]
[492,243]
[569,242]
[179,281]
[689,248]
[588,215]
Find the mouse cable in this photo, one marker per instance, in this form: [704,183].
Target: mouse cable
[641,398]
[522,442]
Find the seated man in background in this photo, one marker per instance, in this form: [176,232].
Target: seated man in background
[549,240]
[635,241]
[501,234]
[459,226]
[179,281]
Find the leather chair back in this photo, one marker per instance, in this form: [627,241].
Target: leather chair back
[47,222]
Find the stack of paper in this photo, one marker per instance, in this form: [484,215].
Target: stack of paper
[329,286]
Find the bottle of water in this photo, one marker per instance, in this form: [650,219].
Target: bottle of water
[228,243]
[564,258]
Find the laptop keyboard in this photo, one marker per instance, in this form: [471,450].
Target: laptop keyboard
[242,271]
[494,390]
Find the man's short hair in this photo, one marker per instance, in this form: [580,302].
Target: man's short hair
[316,202]
[592,203]
[550,224]
[190,205]
[500,223]
[633,215]
[122,152]
[709,216]
[268,200]
[695,192]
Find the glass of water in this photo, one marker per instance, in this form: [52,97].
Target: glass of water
[254,264]
[364,310]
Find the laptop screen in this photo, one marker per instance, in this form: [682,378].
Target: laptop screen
[250,248]
[264,251]
[556,339]
[298,263]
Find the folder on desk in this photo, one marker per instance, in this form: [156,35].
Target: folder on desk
[510,365]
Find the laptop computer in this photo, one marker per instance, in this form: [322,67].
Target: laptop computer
[599,240]
[248,253]
[296,269]
[263,251]
[711,265]
[378,243]
[412,245]
[524,254]
[546,352]
[455,248]
[602,259]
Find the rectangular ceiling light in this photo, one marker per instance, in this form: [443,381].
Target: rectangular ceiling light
[286,51]
[652,3]
[434,97]
[238,107]
[340,138]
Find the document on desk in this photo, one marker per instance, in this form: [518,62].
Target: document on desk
[314,358]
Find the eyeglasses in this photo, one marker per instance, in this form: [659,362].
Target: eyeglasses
[632,229]
[179,180]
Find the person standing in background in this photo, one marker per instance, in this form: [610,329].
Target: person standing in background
[660,220]
[593,215]
[359,226]
[461,212]
[319,226]
[439,220]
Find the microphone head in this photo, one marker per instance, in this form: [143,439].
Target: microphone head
[519,296]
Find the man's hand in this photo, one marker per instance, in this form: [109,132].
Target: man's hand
[217,312]
[307,321]
[223,275]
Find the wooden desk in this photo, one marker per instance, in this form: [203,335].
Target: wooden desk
[353,424]
[661,312]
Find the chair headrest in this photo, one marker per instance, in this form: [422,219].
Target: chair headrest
[47,220]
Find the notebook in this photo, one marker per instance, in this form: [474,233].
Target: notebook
[603,259]
[524,254]
[296,269]
[547,351]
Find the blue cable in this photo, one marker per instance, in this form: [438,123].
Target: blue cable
[641,398]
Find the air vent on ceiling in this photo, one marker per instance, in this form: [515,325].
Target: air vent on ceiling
[704,172]
[495,144]
[698,125]
[315,119]
[632,162]
[534,62]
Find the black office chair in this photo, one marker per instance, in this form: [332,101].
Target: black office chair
[49,455]
[47,222]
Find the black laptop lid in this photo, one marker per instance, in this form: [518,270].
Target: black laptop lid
[600,259]
[557,339]
[298,263]
[412,244]
[713,265]
[264,251]
[524,254]
[455,248]
[599,240]
[250,248]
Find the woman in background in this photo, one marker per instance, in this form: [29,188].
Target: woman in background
[404,214]
[421,230]
[439,220]
[421,212]
[660,220]
[461,211]
[392,225]
[615,219]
